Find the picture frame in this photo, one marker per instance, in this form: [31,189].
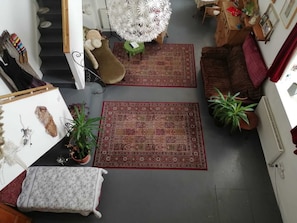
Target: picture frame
[288,12]
[267,28]
[236,3]
[272,14]
[263,19]
[268,21]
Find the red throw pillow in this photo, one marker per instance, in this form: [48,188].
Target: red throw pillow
[256,66]
[234,11]
[11,192]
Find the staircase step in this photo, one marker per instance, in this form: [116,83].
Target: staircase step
[59,78]
[53,14]
[49,11]
[54,64]
[55,23]
[51,52]
[57,61]
[49,3]
[58,74]
[45,45]
[51,31]
[52,38]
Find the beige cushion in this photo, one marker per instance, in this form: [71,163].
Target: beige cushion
[89,45]
[96,43]
[94,34]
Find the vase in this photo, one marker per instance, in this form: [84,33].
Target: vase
[253,20]
[82,161]
[253,121]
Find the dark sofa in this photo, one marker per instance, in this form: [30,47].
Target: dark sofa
[234,69]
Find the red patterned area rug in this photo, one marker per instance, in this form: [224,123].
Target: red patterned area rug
[150,135]
[166,65]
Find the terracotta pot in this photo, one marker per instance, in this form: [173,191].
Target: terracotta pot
[253,120]
[82,161]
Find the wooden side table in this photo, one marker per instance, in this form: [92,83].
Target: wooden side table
[230,30]
[133,51]
[10,215]
[257,30]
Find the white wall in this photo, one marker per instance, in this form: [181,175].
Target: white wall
[284,188]
[76,43]
[90,14]
[270,49]
[96,15]
[284,111]
[20,17]
[26,27]
[16,119]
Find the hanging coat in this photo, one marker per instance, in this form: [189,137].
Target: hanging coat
[22,79]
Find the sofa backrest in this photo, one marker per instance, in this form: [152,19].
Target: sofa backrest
[239,76]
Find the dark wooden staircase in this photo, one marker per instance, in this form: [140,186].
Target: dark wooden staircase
[54,64]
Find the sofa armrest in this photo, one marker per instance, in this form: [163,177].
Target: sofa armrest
[215,52]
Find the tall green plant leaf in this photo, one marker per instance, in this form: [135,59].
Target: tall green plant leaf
[228,110]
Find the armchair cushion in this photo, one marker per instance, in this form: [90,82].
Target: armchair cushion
[214,71]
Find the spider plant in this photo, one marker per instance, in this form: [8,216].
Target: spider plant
[229,110]
[80,129]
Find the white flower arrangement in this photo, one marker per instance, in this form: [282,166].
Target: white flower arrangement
[139,20]
[8,150]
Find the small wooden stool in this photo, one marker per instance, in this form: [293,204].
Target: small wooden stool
[133,51]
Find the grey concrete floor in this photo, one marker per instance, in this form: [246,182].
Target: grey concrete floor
[236,187]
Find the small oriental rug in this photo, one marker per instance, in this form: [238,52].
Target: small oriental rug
[150,135]
[166,65]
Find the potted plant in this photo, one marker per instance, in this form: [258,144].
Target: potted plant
[229,110]
[81,136]
[249,8]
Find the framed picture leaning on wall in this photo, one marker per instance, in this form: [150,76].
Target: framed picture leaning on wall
[263,19]
[267,28]
[288,12]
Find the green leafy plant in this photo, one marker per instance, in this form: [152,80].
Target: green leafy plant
[80,131]
[229,110]
[249,8]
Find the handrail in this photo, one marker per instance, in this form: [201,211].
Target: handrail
[65,26]
[24,93]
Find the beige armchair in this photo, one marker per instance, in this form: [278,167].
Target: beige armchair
[107,65]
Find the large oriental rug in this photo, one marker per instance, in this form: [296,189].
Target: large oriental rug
[166,65]
[150,135]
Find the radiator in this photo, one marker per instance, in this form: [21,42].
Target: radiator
[268,132]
